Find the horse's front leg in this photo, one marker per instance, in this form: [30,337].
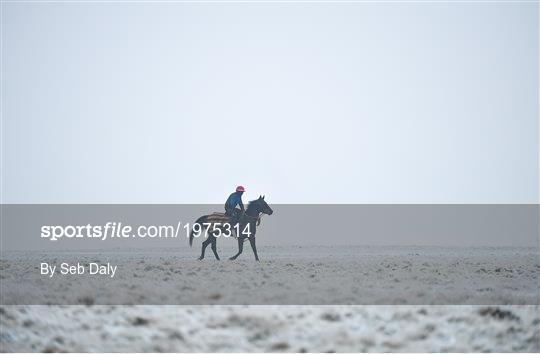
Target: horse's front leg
[253,246]
[240,248]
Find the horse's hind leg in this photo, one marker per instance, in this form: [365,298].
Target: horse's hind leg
[240,248]
[204,245]
[253,247]
[214,248]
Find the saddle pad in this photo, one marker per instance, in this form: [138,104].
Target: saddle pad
[218,218]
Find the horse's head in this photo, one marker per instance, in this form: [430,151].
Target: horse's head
[263,206]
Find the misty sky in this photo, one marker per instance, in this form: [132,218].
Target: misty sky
[306,103]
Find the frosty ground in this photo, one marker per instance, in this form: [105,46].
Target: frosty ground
[296,299]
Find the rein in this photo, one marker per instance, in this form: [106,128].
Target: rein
[257,218]
[253,217]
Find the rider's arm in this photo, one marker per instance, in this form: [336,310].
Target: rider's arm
[241,205]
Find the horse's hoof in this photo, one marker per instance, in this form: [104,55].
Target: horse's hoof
[232,259]
[200,258]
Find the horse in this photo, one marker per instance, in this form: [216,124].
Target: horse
[220,223]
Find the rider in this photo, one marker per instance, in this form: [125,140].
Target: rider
[231,203]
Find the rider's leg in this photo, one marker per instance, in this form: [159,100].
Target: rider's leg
[231,213]
[236,216]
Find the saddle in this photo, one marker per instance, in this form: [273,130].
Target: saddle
[222,218]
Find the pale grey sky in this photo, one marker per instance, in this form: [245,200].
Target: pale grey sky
[306,103]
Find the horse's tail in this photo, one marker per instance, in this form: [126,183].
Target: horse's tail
[191,234]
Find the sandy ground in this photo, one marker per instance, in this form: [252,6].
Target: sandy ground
[285,276]
[270,328]
[462,300]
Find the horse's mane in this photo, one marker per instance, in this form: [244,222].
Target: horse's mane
[253,202]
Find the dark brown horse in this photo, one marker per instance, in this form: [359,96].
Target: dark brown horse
[219,224]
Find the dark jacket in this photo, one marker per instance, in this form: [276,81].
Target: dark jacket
[234,200]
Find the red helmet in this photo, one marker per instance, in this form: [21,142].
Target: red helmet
[240,189]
